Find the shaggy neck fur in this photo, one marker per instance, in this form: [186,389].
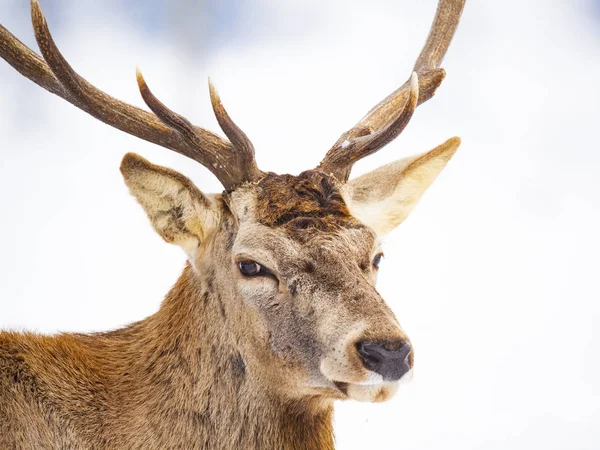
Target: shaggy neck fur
[177,379]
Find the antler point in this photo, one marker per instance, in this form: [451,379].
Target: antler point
[414,81]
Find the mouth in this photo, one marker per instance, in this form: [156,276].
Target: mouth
[372,390]
[342,387]
[362,392]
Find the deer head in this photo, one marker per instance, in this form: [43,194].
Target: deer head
[291,260]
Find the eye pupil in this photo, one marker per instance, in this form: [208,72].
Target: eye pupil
[377,260]
[249,268]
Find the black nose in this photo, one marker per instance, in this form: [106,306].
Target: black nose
[388,359]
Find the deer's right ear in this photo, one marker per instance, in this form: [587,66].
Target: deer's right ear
[178,211]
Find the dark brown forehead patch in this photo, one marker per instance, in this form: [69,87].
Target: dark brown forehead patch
[308,202]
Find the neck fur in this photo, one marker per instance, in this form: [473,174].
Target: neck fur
[191,381]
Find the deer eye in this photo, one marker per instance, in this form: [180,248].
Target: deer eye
[377,260]
[250,268]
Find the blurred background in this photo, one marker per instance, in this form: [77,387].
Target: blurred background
[495,276]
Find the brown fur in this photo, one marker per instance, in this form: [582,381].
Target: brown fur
[283,198]
[309,203]
[228,362]
[170,381]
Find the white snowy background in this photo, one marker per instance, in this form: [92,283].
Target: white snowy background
[494,276]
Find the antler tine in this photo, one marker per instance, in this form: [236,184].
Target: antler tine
[233,166]
[33,67]
[389,109]
[54,74]
[239,139]
[235,134]
[440,35]
[106,108]
[343,156]
[28,63]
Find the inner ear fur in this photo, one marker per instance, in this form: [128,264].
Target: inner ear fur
[178,211]
[384,197]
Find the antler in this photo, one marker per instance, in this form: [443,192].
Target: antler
[387,119]
[232,162]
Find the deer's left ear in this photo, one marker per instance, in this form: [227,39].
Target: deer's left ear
[178,211]
[383,198]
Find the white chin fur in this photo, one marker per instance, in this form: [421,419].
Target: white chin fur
[372,393]
[375,389]
[372,380]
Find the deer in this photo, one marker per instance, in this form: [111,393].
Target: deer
[276,314]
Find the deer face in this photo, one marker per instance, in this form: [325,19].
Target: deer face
[309,268]
[294,261]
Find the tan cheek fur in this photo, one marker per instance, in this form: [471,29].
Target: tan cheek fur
[341,363]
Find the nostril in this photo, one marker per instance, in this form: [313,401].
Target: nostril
[370,354]
[389,359]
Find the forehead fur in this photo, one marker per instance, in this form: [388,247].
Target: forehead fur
[308,202]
